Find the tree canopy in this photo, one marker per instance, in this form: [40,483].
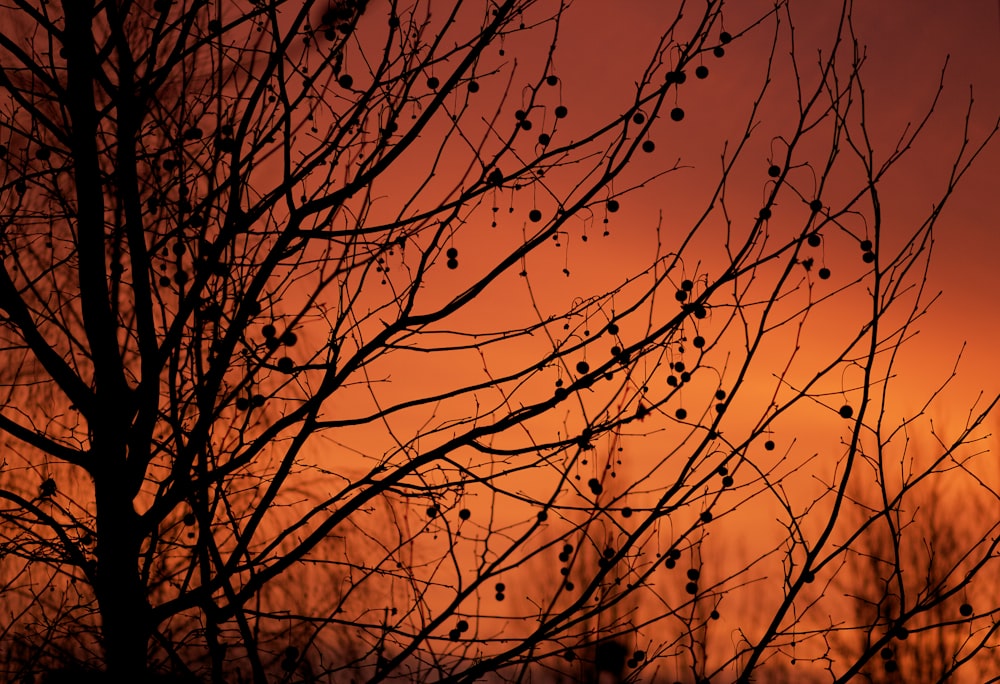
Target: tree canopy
[338,341]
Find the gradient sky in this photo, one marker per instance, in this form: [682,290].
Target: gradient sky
[907,43]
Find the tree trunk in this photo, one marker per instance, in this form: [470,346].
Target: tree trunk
[121,594]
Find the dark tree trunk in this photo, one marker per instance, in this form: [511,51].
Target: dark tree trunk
[121,594]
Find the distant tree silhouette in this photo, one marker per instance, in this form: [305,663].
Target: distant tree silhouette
[323,358]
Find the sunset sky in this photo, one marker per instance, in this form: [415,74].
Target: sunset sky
[907,44]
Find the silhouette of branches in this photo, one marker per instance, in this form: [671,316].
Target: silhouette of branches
[339,342]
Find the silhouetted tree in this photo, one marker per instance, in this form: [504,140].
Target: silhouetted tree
[323,358]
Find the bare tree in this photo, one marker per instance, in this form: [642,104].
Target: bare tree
[295,389]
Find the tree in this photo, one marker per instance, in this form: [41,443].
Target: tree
[296,391]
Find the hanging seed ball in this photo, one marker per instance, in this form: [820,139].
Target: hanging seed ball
[698,342]
[500,596]
[846,411]
[582,367]
[725,37]
[257,400]
[612,328]
[552,80]
[681,295]
[816,205]
[462,626]
[465,514]
[432,511]
[451,253]
[719,51]
[648,146]
[242,404]
[677,114]
[765,213]
[452,264]
[700,311]
[727,481]
[965,609]
[687,285]
[595,486]
[720,394]
[544,139]
[868,257]
[626,512]
[638,118]
[769,445]
[900,632]
[345,81]
[268,331]
[774,171]
[701,71]
[272,343]
[693,574]
[288,338]
[561,112]
[866,245]
[433,82]
[679,366]
[612,205]
[814,240]
[886,653]
[473,87]
[526,124]
[706,516]
[180,277]
[890,666]
[164,281]
[681,414]
[520,115]
[286,365]
[824,273]
[535,215]
[691,588]
[672,380]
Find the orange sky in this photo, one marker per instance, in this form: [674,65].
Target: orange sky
[907,43]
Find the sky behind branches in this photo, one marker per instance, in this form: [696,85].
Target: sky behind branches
[908,44]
